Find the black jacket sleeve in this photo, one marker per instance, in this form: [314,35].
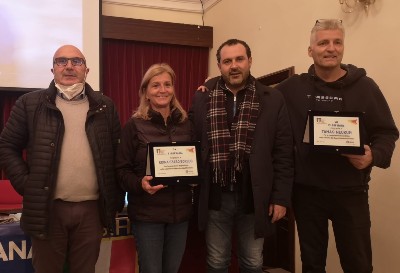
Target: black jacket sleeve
[125,162]
[13,141]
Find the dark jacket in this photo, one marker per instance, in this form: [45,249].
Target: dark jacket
[36,124]
[168,205]
[271,155]
[355,92]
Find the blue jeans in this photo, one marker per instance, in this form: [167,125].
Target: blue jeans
[219,237]
[160,246]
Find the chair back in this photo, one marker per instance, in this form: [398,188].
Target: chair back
[10,200]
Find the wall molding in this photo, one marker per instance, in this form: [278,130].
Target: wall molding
[192,6]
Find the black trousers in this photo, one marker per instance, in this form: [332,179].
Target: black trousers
[349,213]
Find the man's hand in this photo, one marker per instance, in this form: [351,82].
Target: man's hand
[148,188]
[361,161]
[277,212]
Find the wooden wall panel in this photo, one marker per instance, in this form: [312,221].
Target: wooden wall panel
[156,32]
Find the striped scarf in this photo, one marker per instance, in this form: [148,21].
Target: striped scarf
[229,149]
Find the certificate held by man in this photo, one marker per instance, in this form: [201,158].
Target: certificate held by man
[172,163]
[338,132]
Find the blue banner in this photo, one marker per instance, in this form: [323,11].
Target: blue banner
[15,250]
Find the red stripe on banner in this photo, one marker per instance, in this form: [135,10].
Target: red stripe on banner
[123,256]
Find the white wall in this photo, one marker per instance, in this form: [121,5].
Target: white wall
[278,33]
[152,14]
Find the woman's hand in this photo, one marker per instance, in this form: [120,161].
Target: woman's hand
[149,188]
[202,88]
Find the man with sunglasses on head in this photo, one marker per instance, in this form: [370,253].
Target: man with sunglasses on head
[67,181]
[334,185]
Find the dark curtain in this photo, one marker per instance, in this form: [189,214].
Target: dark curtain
[7,101]
[125,62]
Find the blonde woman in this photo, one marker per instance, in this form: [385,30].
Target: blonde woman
[159,213]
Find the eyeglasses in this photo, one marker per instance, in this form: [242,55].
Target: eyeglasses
[322,21]
[75,61]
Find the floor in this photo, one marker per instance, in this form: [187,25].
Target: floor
[276,270]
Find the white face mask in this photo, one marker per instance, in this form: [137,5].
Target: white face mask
[71,91]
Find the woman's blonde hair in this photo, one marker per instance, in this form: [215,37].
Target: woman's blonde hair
[144,105]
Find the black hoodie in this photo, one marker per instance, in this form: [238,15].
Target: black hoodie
[354,92]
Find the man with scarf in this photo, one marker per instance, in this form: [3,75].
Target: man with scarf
[247,160]
[67,180]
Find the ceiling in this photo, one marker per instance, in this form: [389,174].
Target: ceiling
[195,6]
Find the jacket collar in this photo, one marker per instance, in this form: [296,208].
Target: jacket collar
[173,118]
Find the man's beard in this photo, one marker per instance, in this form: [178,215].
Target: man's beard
[236,80]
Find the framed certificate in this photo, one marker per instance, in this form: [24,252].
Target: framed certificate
[172,163]
[337,132]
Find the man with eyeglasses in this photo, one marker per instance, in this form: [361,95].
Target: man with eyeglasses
[67,181]
[331,184]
